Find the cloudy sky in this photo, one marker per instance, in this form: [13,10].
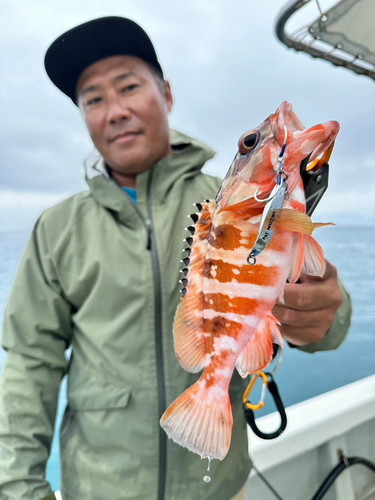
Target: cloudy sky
[228,73]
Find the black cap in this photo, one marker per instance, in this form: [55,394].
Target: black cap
[72,52]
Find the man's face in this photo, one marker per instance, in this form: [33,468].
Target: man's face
[126,114]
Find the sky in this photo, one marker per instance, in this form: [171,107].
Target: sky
[228,73]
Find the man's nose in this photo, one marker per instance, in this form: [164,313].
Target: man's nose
[117,110]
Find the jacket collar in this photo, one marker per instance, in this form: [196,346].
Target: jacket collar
[189,156]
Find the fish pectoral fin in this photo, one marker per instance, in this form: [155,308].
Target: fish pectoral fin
[298,222]
[201,420]
[307,257]
[297,258]
[257,353]
[293,220]
[189,339]
[314,263]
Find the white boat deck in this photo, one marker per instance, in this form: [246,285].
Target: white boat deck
[319,430]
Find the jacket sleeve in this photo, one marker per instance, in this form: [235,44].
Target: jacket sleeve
[36,333]
[339,328]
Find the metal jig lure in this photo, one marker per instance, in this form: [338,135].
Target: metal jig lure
[272,209]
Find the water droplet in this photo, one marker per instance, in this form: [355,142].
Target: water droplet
[207,479]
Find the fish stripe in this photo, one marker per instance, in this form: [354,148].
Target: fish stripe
[245,319]
[225,236]
[219,326]
[225,272]
[233,289]
[223,303]
[238,257]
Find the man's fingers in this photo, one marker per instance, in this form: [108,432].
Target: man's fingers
[300,337]
[309,307]
[307,296]
[314,293]
[304,319]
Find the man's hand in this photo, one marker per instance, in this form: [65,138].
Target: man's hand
[310,307]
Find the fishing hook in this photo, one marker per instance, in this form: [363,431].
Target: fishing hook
[281,174]
[260,200]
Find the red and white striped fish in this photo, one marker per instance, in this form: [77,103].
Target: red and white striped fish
[224,320]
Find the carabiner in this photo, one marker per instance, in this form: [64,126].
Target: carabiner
[248,407]
[245,398]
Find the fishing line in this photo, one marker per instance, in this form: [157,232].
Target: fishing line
[270,487]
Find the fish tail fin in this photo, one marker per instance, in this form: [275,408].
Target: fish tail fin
[200,419]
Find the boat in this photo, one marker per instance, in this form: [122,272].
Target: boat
[322,435]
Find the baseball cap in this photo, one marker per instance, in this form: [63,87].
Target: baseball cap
[74,51]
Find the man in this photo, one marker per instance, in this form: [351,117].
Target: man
[100,274]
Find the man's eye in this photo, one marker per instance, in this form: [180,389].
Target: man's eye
[93,101]
[129,88]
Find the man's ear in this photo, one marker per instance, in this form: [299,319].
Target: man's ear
[168,96]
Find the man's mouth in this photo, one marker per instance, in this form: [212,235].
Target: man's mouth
[124,137]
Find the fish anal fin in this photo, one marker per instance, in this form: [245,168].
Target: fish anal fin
[314,262]
[189,339]
[201,420]
[257,353]
[297,257]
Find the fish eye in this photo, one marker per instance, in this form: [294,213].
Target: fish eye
[248,141]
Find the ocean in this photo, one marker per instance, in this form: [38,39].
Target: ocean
[300,376]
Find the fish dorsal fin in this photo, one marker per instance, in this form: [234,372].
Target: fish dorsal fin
[189,339]
[257,353]
[298,222]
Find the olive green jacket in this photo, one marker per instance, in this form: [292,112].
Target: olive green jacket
[101,274]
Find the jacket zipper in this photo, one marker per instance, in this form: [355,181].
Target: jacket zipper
[151,245]
[158,343]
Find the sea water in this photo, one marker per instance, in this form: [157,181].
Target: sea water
[301,376]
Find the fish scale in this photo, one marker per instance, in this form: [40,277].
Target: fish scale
[224,320]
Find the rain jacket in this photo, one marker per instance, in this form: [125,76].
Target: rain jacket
[101,274]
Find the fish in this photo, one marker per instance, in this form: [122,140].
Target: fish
[224,320]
